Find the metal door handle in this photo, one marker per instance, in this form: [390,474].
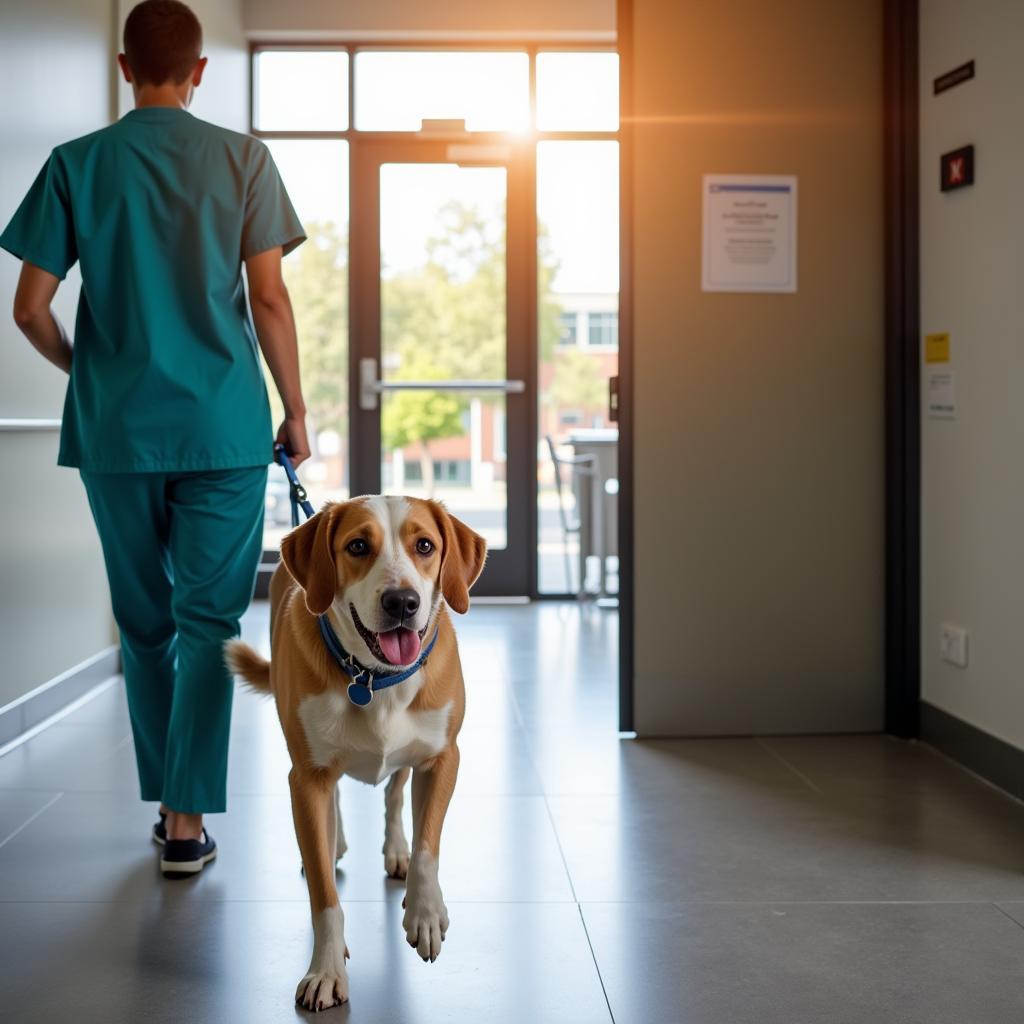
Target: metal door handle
[371,387]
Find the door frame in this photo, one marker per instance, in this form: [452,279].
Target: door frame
[902,371]
[513,569]
[623,45]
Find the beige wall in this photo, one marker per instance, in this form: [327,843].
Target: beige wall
[972,470]
[351,19]
[759,418]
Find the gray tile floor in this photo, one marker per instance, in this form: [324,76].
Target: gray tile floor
[589,878]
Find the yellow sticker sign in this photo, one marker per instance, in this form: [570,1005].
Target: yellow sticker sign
[936,348]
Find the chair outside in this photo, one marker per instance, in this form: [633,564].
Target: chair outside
[579,465]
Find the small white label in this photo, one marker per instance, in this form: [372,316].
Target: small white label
[940,394]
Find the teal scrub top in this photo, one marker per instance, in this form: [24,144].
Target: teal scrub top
[160,209]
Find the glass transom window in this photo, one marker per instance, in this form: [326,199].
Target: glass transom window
[396,90]
[578,91]
[301,90]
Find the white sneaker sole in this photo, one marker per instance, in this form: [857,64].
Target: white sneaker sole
[186,867]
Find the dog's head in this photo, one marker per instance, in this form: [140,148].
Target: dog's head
[384,564]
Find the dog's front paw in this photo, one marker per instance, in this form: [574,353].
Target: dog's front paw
[426,917]
[321,989]
[326,982]
[396,857]
[425,927]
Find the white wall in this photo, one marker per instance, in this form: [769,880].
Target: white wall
[972,283]
[758,418]
[54,611]
[450,19]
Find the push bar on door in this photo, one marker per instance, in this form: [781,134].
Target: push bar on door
[370,387]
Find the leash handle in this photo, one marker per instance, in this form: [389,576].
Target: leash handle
[296,492]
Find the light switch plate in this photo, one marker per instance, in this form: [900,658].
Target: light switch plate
[953,645]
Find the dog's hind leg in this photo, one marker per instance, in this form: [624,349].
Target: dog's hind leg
[396,846]
[340,846]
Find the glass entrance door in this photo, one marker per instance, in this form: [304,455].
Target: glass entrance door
[441,309]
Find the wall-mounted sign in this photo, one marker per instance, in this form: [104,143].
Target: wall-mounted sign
[940,394]
[956,168]
[749,233]
[964,73]
[936,348]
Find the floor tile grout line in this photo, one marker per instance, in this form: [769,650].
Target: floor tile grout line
[593,956]
[517,712]
[520,721]
[1010,916]
[796,771]
[25,824]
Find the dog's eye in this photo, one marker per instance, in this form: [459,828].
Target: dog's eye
[357,547]
[424,546]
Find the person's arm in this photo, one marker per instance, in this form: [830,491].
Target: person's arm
[35,318]
[275,329]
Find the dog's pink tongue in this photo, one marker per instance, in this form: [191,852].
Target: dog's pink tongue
[400,646]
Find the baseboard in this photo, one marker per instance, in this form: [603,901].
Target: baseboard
[993,759]
[44,701]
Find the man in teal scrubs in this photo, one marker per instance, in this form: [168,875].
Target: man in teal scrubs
[166,415]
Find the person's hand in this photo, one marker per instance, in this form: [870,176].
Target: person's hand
[292,434]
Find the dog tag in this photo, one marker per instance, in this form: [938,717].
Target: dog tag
[359,694]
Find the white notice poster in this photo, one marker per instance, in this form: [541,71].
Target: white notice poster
[749,233]
[940,394]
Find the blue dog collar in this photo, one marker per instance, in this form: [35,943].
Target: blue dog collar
[364,683]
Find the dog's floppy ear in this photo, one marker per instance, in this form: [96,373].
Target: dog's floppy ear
[308,554]
[462,559]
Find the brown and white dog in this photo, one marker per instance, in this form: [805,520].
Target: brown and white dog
[383,569]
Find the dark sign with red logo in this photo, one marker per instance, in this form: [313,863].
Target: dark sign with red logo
[957,169]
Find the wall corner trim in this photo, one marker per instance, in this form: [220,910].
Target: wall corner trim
[32,709]
[986,755]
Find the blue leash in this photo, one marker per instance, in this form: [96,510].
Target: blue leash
[364,683]
[296,492]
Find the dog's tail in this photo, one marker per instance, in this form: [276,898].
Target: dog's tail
[245,662]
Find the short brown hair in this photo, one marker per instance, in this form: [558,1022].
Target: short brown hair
[163,41]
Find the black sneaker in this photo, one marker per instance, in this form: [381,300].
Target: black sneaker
[183,858]
[160,830]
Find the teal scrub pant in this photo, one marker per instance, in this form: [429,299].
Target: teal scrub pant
[181,551]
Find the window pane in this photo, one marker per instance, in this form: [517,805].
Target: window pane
[301,90]
[396,90]
[567,328]
[315,174]
[443,294]
[577,91]
[578,299]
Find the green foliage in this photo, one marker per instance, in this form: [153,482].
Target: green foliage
[411,417]
[317,279]
[549,309]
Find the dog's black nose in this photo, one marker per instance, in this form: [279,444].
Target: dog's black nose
[400,604]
